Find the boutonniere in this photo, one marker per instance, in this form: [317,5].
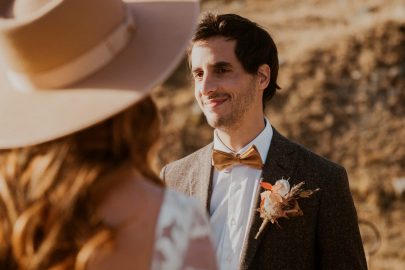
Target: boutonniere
[279,201]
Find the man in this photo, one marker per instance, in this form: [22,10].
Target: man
[234,63]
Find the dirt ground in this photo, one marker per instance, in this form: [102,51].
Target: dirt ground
[342,73]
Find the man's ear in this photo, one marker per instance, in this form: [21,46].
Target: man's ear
[263,75]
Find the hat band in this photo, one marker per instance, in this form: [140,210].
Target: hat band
[81,67]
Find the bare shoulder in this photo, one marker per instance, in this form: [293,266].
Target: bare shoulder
[132,210]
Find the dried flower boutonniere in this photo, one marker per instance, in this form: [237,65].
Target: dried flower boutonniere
[279,201]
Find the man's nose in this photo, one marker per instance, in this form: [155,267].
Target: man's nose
[207,86]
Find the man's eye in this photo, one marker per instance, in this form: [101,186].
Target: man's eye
[221,70]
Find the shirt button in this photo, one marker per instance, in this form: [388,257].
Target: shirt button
[233,222]
[229,258]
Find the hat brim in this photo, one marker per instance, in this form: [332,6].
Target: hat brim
[163,30]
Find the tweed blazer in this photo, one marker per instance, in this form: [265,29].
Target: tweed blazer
[327,235]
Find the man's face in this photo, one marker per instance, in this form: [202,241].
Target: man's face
[226,93]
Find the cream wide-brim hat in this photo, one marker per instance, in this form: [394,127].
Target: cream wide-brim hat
[32,116]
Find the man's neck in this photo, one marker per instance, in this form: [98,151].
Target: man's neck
[235,138]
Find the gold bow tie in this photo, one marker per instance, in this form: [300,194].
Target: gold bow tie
[250,157]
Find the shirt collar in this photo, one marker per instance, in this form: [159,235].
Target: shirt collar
[262,142]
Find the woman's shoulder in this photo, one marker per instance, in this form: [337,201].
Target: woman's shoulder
[136,196]
[131,210]
[154,227]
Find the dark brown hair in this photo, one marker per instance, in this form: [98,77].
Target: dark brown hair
[49,192]
[254,45]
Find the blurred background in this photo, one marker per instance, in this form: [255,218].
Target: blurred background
[342,73]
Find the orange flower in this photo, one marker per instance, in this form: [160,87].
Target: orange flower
[266,186]
[279,201]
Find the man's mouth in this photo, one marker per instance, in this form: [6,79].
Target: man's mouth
[215,101]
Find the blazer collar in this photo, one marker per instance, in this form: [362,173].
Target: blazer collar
[280,162]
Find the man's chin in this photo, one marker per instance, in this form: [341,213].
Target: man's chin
[218,122]
[213,121]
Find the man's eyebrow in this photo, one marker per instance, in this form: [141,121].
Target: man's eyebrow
[222,64]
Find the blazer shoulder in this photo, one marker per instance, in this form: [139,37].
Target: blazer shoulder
[320,171]
[190,160]
[312,159]
[308,164]
[182,168]
[296,152]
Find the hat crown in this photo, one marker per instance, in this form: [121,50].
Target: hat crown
[24,8]
[41,37]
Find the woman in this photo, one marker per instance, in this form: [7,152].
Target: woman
[77,127]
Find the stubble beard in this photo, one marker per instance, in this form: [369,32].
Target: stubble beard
[231,121]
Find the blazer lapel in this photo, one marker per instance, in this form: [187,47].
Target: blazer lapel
[200,183]
[279,163]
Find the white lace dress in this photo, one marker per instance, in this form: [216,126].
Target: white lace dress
[181,228]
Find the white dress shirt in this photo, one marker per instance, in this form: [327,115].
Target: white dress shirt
[232,200]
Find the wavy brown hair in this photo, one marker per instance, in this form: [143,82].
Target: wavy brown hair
[49,193]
